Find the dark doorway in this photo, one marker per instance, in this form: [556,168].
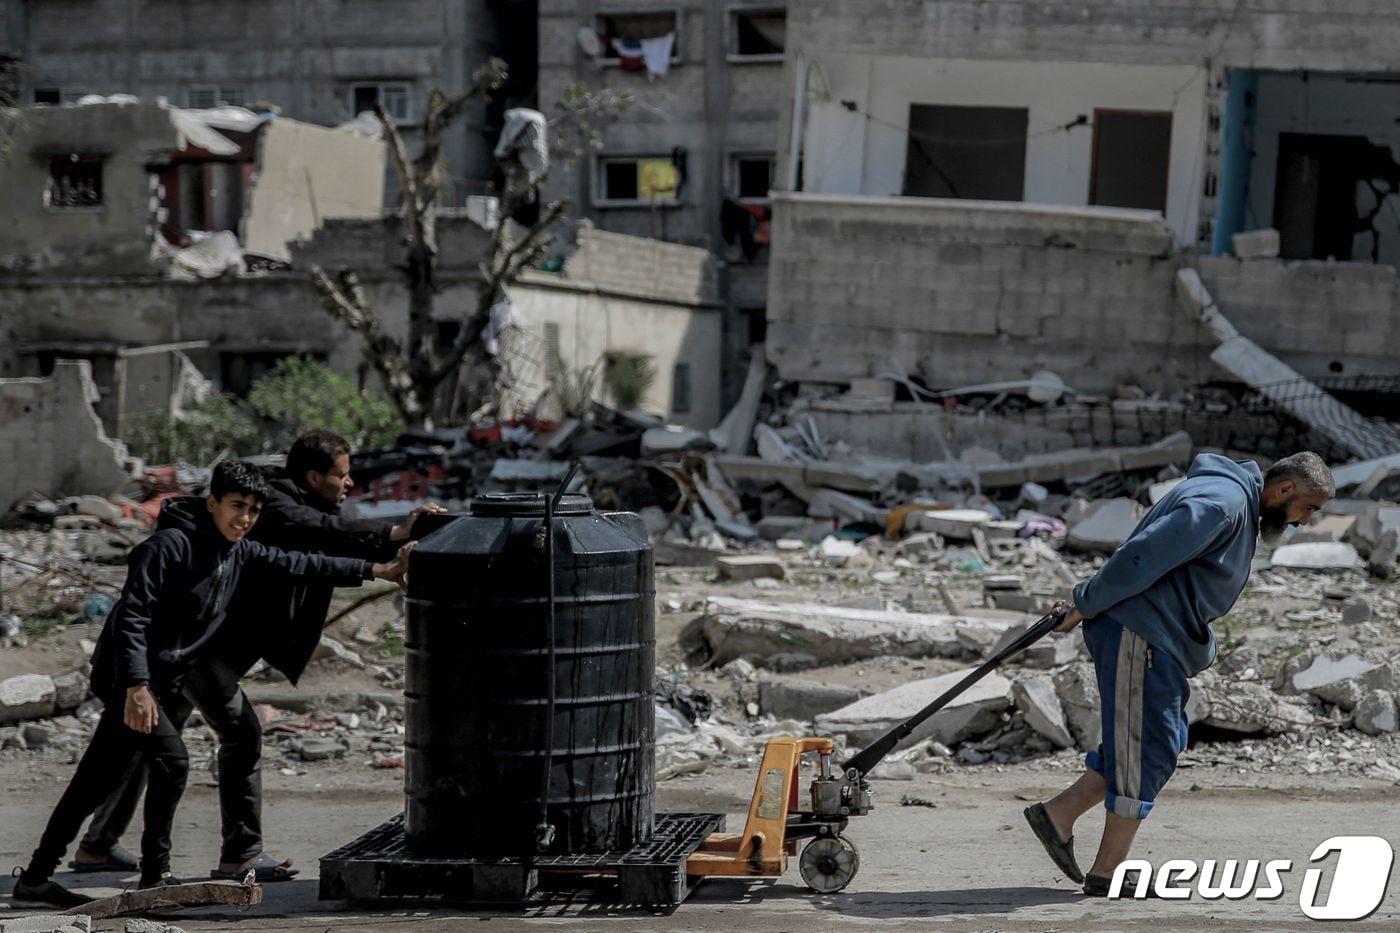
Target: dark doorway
[966,152]
[1315,196]
[1132,156]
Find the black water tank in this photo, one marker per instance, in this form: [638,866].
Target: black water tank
[478,680]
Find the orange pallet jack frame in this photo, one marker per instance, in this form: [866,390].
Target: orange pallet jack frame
[776,825]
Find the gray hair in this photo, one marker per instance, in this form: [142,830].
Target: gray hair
[1306,470]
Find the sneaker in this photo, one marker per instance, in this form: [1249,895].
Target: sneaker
[165,880]
[47,892]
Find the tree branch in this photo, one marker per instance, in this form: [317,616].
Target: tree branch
[399,152]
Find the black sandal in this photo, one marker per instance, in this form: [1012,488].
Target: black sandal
[118,859]
[1061,851]
[1098,886]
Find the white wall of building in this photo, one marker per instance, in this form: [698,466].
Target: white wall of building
[862,150]
[591,325]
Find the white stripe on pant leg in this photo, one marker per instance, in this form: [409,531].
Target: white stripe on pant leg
[1127,714]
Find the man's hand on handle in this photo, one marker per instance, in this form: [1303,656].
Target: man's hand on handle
[1072,616]
[141,713]
[404,529]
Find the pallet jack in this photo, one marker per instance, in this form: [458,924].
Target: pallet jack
[775,825]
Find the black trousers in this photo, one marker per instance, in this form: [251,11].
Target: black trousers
[109,756]
[212,686]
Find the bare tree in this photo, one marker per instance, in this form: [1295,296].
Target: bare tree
[416,369]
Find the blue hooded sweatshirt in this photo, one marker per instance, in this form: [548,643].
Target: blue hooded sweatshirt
[1185,564]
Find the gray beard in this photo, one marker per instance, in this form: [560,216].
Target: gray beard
[1272,524]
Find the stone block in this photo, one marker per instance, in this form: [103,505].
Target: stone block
[1037,700]
[27,696]
[975,712]
[1256,244]
[749,567]
[802,700]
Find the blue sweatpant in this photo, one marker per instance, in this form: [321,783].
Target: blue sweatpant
[1142,696]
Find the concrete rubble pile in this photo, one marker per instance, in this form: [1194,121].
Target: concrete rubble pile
[802,588]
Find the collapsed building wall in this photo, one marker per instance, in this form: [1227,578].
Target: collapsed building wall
[51,440]
[658,301]
[957,292]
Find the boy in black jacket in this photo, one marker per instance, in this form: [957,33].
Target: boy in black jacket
[272,616]
[178,586]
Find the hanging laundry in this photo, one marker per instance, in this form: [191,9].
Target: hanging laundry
[761,213]
[629,51]
[657,179]
[523,140]
[657,54]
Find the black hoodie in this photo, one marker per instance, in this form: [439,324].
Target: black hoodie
[277,618]
[178,586]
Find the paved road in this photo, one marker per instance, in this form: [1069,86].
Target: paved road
[966,864]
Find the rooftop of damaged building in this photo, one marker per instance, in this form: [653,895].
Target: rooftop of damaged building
[118,186]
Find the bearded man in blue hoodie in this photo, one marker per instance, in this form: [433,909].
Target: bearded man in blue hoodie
[1147,619]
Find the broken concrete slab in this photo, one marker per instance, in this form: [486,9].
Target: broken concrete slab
[955,524]
[1078,691]
[1105,526]
[754,629]
[1374,522]
[1319,555]
[70,690]
[1250,708]
[1381,563]
[1354,474]
[1355,610]
[750,567]
[975,712]
[1323,529]
[923,547]
[799,527]
[1375,713]
[801,699]
[830,503]
[1332,678]
[1156,491]
[1037,700]
[27,696]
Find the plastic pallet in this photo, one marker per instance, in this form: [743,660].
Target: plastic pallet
[378,866]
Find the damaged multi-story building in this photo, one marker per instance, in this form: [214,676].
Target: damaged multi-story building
[692,158]
[976,192]
[313,61]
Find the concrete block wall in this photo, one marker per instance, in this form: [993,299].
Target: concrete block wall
[958,292]
[1322,318]
[51,440]
[642,266]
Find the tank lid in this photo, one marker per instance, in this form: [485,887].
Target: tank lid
[529,504]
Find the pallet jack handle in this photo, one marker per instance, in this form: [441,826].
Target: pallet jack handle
[864,761]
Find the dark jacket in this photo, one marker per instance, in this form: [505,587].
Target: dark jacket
[280,618]
[178,587]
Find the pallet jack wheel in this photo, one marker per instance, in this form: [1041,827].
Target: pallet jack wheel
[828,865]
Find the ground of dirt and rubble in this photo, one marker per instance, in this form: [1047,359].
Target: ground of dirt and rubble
[803,588]
[1294,737]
